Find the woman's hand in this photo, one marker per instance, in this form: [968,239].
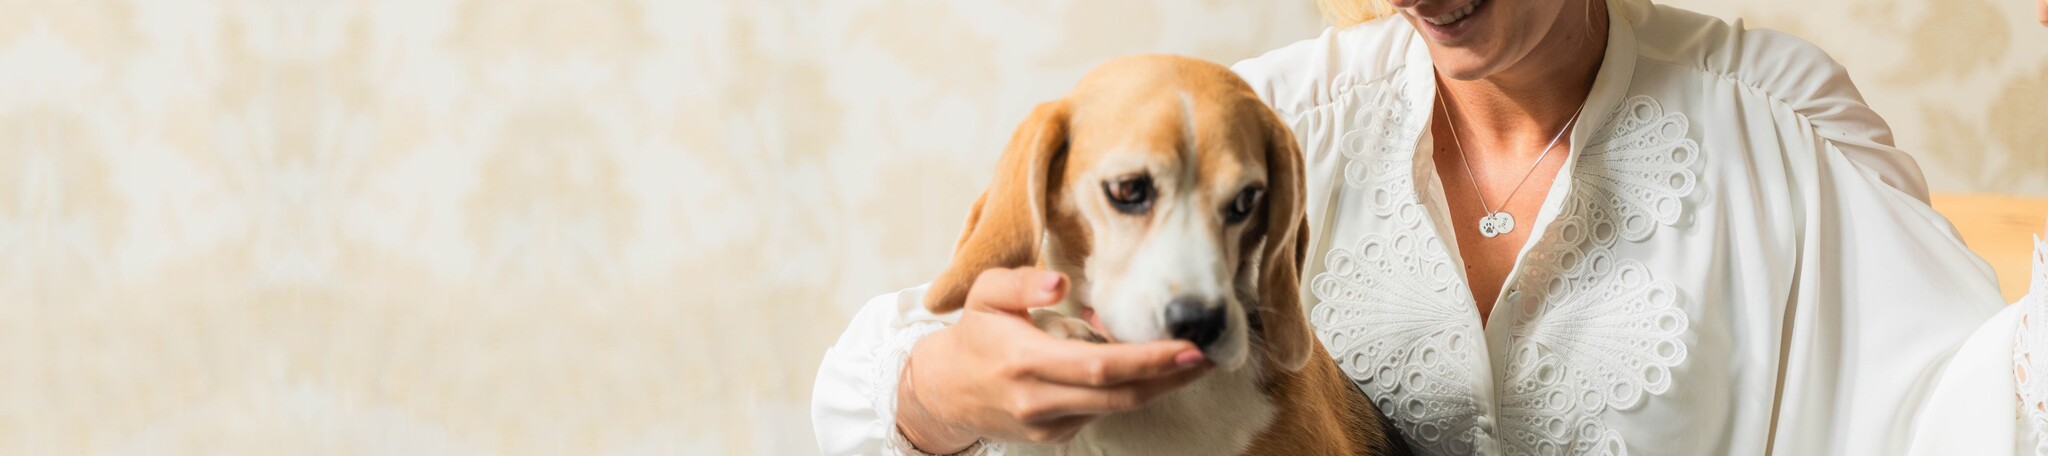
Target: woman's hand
[994,375]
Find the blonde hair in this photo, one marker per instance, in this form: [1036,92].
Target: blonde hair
[1346,13]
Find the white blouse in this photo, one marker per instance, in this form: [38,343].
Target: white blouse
[1738,261]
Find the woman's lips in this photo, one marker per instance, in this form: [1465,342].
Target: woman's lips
[1455,23]
[1454,15]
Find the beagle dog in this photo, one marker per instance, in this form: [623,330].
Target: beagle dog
[1171,196]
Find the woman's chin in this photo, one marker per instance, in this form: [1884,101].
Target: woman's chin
[1463,64]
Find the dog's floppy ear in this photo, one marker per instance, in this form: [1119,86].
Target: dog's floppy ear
[1288,339]
[1007,224]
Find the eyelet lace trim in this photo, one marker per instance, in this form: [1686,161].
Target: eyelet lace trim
[2030,338]
[1598,332]
[1393,310]
[1640,165]
[1375,160]
[1601,333]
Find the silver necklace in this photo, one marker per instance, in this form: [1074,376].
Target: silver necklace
[1496,223]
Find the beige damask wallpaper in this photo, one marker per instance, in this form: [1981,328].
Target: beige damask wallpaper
[606,226]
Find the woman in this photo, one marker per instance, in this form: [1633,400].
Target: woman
[1677,236]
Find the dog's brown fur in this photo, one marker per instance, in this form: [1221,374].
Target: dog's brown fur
[1322,414]
[1029,200]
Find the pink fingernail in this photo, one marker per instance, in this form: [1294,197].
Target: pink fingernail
[1188,358]
[1051,282]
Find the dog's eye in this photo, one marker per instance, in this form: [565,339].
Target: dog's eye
[1240,208]
[1132,195]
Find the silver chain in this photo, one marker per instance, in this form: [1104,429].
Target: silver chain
[1468,163]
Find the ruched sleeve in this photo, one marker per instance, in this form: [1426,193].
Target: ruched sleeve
[853,404]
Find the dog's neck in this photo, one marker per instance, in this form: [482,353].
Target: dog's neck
[1221,414]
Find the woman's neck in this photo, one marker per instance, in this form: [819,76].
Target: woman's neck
[1529,102]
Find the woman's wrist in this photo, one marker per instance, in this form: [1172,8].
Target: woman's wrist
[917,423]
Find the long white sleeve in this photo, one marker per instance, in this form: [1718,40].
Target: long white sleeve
[1989,401]
[853,404]
[1883,293]
[1886,297]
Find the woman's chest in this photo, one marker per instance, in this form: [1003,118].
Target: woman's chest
[1619,299]
[1489,202]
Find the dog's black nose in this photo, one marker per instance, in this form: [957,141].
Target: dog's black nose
[1195,322]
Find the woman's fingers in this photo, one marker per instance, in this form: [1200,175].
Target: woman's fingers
[1055,401]
[1052,386]
[1089,364]
[1016,290]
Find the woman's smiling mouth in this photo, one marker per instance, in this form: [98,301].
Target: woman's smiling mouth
[1454,15]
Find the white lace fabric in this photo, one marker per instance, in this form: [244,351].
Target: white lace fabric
[2030,353]
[1394,310]
[1596,333]
[1600,332]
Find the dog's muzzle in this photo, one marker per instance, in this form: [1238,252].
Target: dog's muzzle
[1195,321]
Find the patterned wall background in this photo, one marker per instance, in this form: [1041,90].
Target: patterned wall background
[607,226]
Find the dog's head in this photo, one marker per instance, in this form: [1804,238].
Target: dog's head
[1173,198]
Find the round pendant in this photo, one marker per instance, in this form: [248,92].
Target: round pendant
[1496,224]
